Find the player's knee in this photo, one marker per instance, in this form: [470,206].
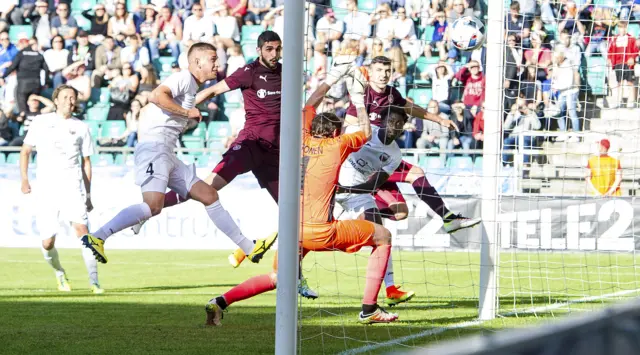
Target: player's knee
[414,174]
[209,197]
[155,207]
[382,235]
[48,244]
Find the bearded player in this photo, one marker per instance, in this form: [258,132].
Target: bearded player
[378,97]
[324,150]
[172,105]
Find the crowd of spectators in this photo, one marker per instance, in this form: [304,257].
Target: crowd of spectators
[127,47]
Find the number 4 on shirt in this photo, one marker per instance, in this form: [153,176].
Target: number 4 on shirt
[150,169]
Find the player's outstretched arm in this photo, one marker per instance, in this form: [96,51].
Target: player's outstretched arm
[367,187]
[317,96]
[210,92]
[25,154]
[414,110]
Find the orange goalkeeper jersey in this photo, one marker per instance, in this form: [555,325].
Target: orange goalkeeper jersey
[321,161]
[603,173]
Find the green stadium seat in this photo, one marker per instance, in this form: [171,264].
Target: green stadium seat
[199,133]
[18,32]
[3,158]
[596,75]
[209,160]
[124,159]
[187,158]
[82,22]
[464,163]
[13,158]
[111,129]
[251,33]
[422,65]
[97,113]
[634,29]
[427,35]
[82,5]
[163,64]
[430,163]
[249,51]
[100,96]
[477,164]
[218,130]
[421,97]
[102,159]
[367,6]
[94,128]
[131,4]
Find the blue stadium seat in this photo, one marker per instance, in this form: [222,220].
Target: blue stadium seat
[13,158]
[18,32]
[110,129]
[102,159]
[251,33]
[421,97]
[462,163]
[97,113]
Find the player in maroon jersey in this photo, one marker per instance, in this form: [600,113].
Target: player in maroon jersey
[380,96]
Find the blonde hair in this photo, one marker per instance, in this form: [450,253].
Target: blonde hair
[398,60]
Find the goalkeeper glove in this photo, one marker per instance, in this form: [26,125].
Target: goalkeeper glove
[343,64]
[357,87]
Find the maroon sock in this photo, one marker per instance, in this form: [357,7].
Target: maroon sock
[429,195]
[172,199]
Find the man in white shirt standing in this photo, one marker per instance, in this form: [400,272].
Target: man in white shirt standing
[64,167]
[329,30]
[197,27]
[171,106]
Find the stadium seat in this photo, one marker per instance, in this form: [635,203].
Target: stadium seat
[3,158]
[216,145]
[421,97]
[131,5]
[163,64]
[634,29]
[97,113]
[218,130]
[251,33]
[430,163]
[477,164]
[82,22]
[249,51]
[196,138]
[18,32]
[110,129]
[427,35]
[368,6]
[81,5]
[100,96]
[13,158]
[122,159]
[596,75]
[187,158]
[422,65]
[102,159]
[463,163]
[94,128]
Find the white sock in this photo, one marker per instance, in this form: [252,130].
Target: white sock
[388,276]
[91,264]
[222,219]
[52,258]
[128,217]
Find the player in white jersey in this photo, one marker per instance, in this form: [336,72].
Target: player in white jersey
[172,105]
[363,173]
[63,190]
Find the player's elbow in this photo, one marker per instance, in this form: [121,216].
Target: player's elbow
[153,97]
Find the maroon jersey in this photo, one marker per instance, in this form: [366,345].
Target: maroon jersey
[261,92]
[376,103]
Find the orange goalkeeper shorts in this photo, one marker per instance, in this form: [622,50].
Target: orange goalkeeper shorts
[347,236]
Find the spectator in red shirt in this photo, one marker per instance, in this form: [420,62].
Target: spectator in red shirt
[474,87]
[621,58]
[478,130]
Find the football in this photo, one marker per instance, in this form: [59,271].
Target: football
[466,33]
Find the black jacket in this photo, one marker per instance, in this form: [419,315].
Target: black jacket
[28,64]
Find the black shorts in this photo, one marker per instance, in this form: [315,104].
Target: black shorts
[623,72]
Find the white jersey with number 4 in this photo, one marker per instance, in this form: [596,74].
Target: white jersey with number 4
[160,126]
[60,143]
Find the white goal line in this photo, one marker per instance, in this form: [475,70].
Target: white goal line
[461,325]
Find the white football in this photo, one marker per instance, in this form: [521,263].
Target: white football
[466,33]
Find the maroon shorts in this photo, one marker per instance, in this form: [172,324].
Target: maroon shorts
[255,155]
[389,193]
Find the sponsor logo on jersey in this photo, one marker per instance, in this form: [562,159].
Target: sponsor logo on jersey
[262,93]
[384,157]
[263,77]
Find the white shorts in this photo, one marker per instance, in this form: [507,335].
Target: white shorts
[354,205]
[157,167]
[70,208]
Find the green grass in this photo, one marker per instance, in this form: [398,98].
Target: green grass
[154,300]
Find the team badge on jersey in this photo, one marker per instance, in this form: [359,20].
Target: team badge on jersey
[384,157]
[262,93]
[391,99]
[236,147]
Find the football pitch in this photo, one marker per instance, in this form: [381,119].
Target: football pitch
[154,301]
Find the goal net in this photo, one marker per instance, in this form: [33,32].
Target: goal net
[564,236]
